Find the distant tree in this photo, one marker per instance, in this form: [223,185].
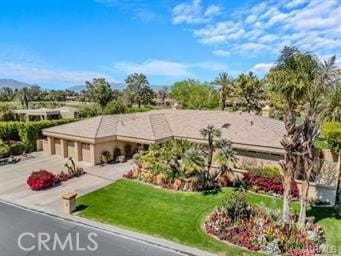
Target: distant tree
[225,82]
[138,89]
[163,94]
[7,94]
[116,107]
[56,95]
[99,91]
[194,95]
[250,91]
[24,97]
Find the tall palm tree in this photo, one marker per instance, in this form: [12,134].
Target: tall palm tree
[226,87]
[289,79]
[210,133]
[302,80]
[193,161]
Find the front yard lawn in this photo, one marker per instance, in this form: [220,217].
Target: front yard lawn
[178,216]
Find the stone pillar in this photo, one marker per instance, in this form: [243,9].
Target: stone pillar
[51,146]
[78,151]
[266,111]
[63,145]
[92,154]
[69,202]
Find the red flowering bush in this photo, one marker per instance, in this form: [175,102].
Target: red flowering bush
[41,180]
[261,229]
[268,180]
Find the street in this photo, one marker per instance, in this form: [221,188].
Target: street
[23,232]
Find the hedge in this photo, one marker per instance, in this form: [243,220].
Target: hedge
[332,133]
[28,132]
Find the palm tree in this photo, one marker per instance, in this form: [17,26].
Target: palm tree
[193,161]
[290,81]
[303,81]
[226,87]
[226,156]
[210,132]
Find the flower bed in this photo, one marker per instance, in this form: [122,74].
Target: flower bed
[268,180]
[42,179]
[261,229]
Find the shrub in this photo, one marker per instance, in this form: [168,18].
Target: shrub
[267,179]
[4,150]
[17,148]
[105,156]
[236,205]
[41,180]
[116,107]
[332,133]
[28,132]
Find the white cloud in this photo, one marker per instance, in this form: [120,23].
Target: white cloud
[312,25]
[154,67]
[194,12]
[221,53]
[36,74]
[219,32]
[166,68]
[295,3]
[261,68]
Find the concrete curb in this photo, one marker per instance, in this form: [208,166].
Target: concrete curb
[109,229]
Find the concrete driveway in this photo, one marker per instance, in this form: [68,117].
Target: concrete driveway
[13,187]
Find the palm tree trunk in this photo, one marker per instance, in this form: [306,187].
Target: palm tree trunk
[338,188]
[286,198]
[222,101]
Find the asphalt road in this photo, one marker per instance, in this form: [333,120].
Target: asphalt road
[52,234]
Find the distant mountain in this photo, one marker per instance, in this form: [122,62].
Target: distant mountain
[79,88]
[76,88]
[13,84]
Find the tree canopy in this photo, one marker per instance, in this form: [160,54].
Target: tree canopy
[99,91]
[195,95]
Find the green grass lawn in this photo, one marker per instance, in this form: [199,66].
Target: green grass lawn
[178,216]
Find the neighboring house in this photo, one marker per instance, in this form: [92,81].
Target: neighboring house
[45,113]
[256,139]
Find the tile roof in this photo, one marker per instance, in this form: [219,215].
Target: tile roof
[243,128]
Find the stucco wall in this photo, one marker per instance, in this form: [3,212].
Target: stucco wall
[110,146]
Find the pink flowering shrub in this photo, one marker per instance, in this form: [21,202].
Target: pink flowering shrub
[268,180]
[261,229]
[41,180]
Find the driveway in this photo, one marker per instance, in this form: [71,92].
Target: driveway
[13,178]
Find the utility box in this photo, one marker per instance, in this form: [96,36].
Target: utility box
[69,202]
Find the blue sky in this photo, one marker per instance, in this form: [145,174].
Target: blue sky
[61,43]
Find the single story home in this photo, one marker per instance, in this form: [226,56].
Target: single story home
[45,113]
[256,139]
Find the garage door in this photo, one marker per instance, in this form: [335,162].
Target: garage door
[71,149]
[86,152]
[57,147]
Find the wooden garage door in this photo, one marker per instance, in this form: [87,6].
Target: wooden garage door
[71,149]
[57,147]
[86,152]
